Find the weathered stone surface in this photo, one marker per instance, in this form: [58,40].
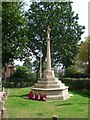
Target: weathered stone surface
[54,90]
[49,74]
[1,105]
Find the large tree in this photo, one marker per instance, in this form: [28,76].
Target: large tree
[13,31]
[24,36]
[65,33]
[83,56]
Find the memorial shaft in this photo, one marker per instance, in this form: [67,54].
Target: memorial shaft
[48,50]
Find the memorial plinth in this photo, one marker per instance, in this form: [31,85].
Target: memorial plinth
[49,85]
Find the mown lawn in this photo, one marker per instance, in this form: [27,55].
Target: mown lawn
[19,107]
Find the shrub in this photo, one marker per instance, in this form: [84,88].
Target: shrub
[22,77]
[73,72]
[21,72]
[70,71]
[8,84]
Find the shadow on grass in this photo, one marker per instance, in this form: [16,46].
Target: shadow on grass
[67,104]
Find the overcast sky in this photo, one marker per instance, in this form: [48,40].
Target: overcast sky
[80,7]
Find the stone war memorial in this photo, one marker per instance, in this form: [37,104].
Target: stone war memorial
[49,85]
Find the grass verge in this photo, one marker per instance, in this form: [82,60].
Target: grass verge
[18,107]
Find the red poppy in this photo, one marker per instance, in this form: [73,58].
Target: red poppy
[33,97]
[43,97]
[37,97]
[30,95]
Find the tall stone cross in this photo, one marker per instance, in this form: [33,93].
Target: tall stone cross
[48,49]
[49,85]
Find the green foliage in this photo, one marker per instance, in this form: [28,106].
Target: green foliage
[72,70]
[84,50]
[77,83]
[22,77]
[23,35]
[8,85]
[27,63]
[23,72]
[83,56]
[84,90]
[18,83]
[65,31]
[13,31]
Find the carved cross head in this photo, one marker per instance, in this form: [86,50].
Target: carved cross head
[48,32]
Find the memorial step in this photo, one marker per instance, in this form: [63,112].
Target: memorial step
[55,97]
[49,85]
[48,82]
[49,79]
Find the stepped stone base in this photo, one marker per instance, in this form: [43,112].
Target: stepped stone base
[50,86]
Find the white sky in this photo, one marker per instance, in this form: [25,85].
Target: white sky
[79,7]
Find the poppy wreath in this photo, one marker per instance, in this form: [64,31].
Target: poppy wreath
[36,97]
[43,97]
[39,97]
[30,95]
[33,97]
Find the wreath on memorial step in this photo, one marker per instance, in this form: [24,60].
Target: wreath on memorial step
[37,97]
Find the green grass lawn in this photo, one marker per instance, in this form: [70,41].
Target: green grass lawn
[18,107]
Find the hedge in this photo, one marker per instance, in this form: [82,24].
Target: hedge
[73,83]
[18,82]
[17,85]
[29,79]
[77,83]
